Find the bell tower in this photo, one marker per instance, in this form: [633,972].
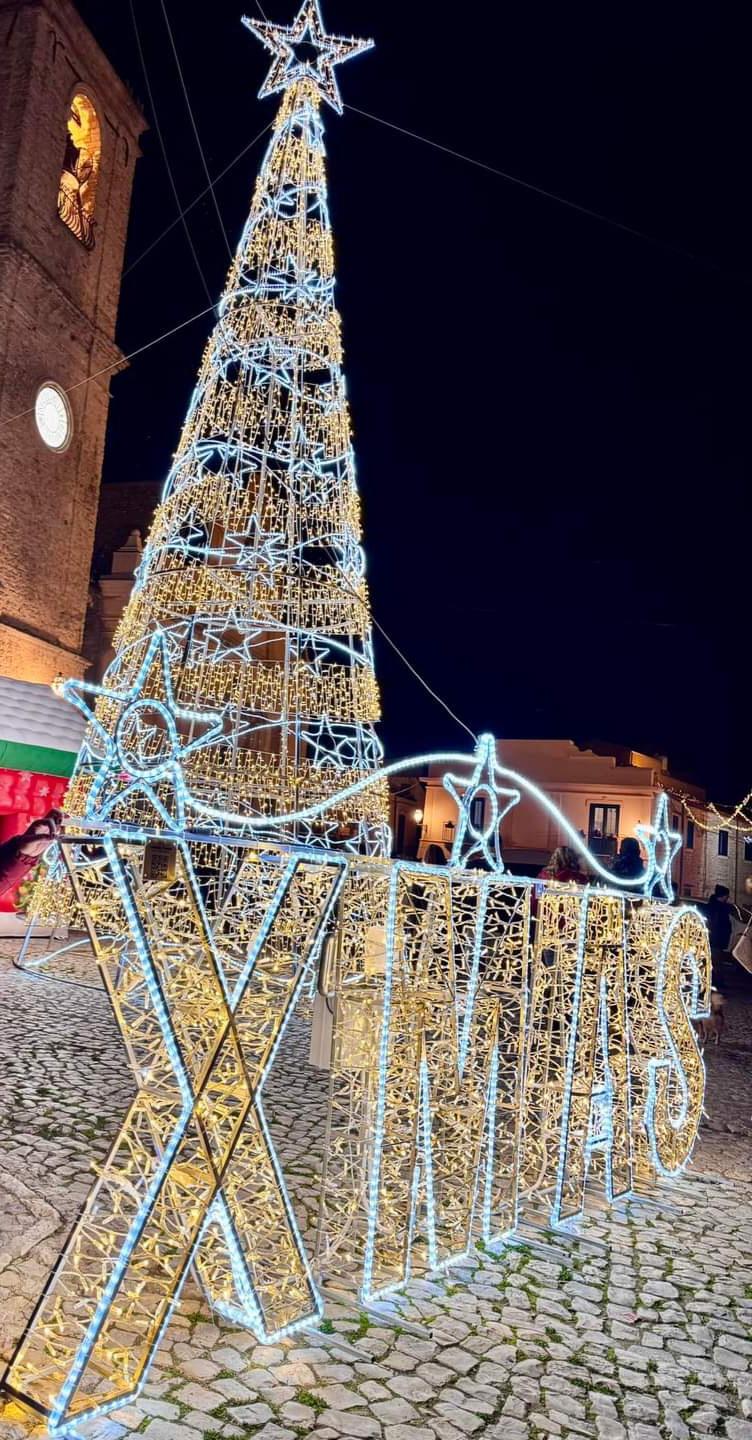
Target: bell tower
[69,133]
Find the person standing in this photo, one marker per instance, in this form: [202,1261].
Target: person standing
[720,915]
[564,866]
[628,863]
[20,854]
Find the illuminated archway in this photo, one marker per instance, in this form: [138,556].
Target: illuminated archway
[78,180]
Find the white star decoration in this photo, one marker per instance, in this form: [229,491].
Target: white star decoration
[288,67]
[472,840]
[128,760]
[662,845]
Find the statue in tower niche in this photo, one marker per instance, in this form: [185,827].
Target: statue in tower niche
[78,180]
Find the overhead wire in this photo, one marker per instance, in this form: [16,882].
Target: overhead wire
[196,200]
[586,210]
[163,148]
[194,127]
[377,624]
[666,245]
[115,363]
[433,693]
[395,647]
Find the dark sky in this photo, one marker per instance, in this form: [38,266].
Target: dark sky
[551,416]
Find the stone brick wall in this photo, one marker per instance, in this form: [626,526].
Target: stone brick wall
[123,508]
[58,307]
[732,870]
[692,864]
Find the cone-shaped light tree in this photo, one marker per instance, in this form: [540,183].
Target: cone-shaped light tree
[242,687]
[243,680]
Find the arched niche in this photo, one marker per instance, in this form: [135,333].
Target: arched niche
[77,192]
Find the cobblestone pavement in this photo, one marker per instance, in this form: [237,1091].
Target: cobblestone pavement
[639,1329]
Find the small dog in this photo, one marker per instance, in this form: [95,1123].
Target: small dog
[713,1026]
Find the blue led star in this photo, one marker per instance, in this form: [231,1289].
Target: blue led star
[146,746]
[662,845]
[303,50]
[480,839]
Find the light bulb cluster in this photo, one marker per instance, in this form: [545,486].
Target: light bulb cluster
[193,1176]
[520,1032]
[737,820]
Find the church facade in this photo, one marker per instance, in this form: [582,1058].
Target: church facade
[69,133]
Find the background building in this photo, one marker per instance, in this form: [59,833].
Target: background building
[69,134]
[727,856]
[125,515]
[603,795]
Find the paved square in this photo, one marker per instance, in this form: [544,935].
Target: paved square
[641,1327]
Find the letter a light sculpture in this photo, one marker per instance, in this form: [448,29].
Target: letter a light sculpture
[242,687]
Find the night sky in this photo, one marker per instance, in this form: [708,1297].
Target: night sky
[551,416]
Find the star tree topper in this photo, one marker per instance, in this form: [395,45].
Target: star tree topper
[290,65]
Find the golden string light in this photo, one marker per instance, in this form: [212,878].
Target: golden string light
[501,1049]
[724,822]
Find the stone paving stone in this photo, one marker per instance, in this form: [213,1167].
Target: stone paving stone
[168,1430]
[360,1427]
[298,1415]
[396,1411]
[247,1415]
[644,1335]
[409,1432]
[198,1397]
[337,1397]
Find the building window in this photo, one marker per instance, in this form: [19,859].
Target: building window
[603,830]
[676,822]
[77,191]
[723,842]
[690,836]
[478,813]
[748,849]
[687,889]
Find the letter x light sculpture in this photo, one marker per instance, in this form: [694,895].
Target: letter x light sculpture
[192,1176]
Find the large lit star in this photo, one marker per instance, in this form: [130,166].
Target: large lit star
[146,747]
[481,840]
[303,50]
[662,845]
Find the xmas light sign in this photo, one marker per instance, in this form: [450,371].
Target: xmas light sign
[506,1040]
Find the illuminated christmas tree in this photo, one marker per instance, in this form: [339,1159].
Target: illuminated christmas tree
[243,681]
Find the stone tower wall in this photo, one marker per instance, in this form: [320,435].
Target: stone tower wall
[58,307]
